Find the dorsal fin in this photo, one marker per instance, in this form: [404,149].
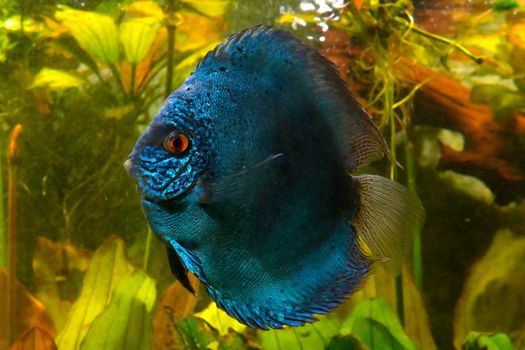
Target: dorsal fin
[279,54]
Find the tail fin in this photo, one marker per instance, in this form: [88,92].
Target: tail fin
[387,219]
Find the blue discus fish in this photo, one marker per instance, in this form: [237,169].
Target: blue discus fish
[245,175]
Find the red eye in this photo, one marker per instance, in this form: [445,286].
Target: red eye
[176,143]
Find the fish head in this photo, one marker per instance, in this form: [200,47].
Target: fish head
[173,152]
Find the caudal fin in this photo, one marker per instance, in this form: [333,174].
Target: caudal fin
[388,217]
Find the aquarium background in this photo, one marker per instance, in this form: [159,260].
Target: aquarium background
[79,269]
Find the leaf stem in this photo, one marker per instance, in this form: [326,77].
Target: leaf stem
[417,260]
[415,29]
[171,45]
[12,153]
[147,250]
[3,233]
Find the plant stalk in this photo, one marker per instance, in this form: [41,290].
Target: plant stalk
[417,259]
[147,250]
[170,26]
[464,50]
[390,116]
[11,228]
[3,232]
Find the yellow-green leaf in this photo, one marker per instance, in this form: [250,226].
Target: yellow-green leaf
[212,8]
[374,322]
[107,268]
[126,324]
[94,32]
[55,80]
[191,60]
[480,341]
[136,36]
[145,9]
[493,297]
[220,320]
[311,336]
[302,18]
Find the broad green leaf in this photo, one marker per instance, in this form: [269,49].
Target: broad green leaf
[95,33]
[344,342]
[55,80]
[191,60]
[312,336]
[212,8]
[220,320]
[108,267]
[480,341]
[136,36]
[192,337]
[145,9]
[126,323]
[374,322]
[34,339]
[195,31]
[505,5]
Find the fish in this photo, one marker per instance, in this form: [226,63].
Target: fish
[248,174]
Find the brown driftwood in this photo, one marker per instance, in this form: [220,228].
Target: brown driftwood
[494,150]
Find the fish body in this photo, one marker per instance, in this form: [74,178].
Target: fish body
[244,174]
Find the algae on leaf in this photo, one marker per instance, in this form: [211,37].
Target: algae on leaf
[108,267]
[126,323]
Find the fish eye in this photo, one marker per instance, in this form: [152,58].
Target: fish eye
[176,143]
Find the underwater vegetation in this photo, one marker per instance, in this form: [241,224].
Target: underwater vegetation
[81,80]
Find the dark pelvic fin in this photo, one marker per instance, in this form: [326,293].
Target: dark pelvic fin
[279,54]
[179,269]
[387,219]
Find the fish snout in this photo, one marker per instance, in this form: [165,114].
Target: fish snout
[128,164]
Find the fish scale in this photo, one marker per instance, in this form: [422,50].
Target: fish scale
[262,207]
